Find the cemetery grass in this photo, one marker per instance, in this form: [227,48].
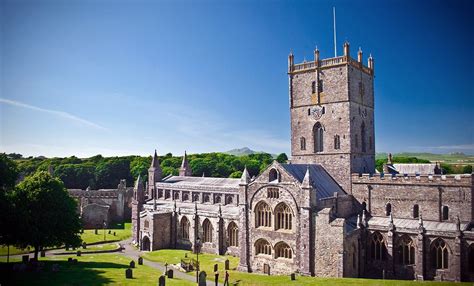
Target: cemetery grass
[207,261]
[95,269]
[122,233]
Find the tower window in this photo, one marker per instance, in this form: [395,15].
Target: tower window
[320,85]
[303,143]
[445,213]
[416,211]
[318,137]
[337,142]
[388,209]
[313,87]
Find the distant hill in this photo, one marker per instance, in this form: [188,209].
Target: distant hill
[244,151]
[452,158]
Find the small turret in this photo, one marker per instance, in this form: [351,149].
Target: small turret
[291,62]
[316,56]
[245,178]
[346,49]
[185,170]
[154,175]
[359,55]
[370,63]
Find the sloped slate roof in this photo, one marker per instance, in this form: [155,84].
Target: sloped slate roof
[182,181]
[414,223]
[324,184]
[415,168]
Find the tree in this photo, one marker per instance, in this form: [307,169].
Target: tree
[282,158]
[8,176]
[236,174]
[139,166]
[8,172]
[46,214]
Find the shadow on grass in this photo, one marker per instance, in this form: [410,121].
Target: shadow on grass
[80,273]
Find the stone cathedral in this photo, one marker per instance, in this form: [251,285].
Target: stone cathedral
[326,213]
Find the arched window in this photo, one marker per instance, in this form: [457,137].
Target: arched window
[362,137]
[229,200]
[406,251]
[167,194]
[445,212]
[439,254]
[207,231]
[283,217]
[217,199]
[273,175]
[303,143]
[388,209]
[176,195]
[378,248]
[337,142]
[416,211]
[207,198]
[318,137]
[195,197]
[160,193]
[283,250]
[184,228]
[185,197]
[263,247]
[233,234]
[263,215]
[313,87]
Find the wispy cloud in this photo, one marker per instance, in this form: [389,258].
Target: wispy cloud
[62,114]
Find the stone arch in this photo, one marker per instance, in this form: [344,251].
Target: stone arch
[273,175]
[263,214]
[283,217]
[377,246]
[283,250]
[388,209]
[318,137]
[406,250]
[207,230]
[439,251]
[281,188]
[184,227]
[262,246]
[233,234]
[146,244]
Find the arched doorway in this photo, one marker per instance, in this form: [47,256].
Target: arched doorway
[146,243]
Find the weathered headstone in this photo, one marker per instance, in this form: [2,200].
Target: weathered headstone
[227,264]
[202,278]
[128,273]
[170,274]
[216,267]
[114,233]
[293,276]
[132,264]
[43,253]
[25,258]
[96,231]
[69,259]
[79,253]
[110,231]
[84,245]
[162,281]
[140,260]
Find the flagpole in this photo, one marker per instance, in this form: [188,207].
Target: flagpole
[334,21]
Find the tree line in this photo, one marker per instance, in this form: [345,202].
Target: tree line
[100,172]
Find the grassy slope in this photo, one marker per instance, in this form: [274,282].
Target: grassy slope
[207,262]
[91,270]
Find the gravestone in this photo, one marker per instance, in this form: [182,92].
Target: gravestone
[132,264]
[293,276]
[110,231]
[84,245]
[95,231]
[202,278]
[128,273]
[25,258]
[162,281]
[69,259]
[216,267]
[79,253]
[227,264]
[114,233]
[43,253]
[140,261]
[170,274]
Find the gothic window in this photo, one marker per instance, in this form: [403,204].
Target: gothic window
[406,251]
[388,209]
[272,175]
[167,194]
[263,215]
[160,193]
[273,193]
[283,250]
[263,247]
[184,228]
[416,211]
[439,254]
[318,137]
[337,142]
[362,137]
[283,217]
[195,197]
[233,234]
[176,195]
[217,199]
[303,143]
[207,198]
[185,197]
[378,248]
[445,212]
[313,87]
[229,200]
[207,231]
[320,85]
[147,224]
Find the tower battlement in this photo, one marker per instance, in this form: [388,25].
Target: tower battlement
[345,59]
[459,179]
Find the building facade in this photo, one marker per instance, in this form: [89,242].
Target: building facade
[327,213]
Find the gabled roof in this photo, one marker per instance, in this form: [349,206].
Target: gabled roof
[324,184]
[224,184]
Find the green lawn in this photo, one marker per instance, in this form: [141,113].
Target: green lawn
[207,262]
[97,269]
[107,246]
[125,232]
[13,250]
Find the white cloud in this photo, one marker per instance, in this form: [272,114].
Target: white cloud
[62,114]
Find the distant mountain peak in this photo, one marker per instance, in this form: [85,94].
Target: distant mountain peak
[241,151]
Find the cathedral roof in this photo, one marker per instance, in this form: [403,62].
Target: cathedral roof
[324,184]
[414,223]
[202,182]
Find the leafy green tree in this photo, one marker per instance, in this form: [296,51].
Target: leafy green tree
[169,171]
[236,174]
[110,172]
[139,166]
[282,158]
[46,214]
[8,172]
[467,169]
[8,176]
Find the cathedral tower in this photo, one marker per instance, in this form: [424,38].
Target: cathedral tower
[332,114]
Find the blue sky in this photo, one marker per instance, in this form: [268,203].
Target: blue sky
[126,77]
